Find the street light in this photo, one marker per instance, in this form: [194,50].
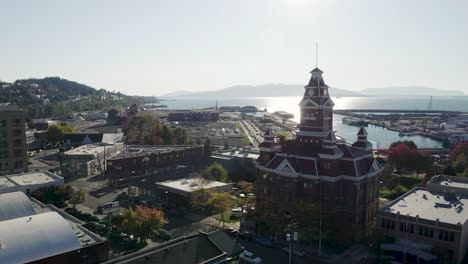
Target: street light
[320,217]
[290,241]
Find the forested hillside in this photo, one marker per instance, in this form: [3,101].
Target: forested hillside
[57,97]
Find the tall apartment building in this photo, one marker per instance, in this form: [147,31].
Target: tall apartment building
[13,151]
[317,168]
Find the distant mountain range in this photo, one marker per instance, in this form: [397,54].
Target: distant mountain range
[277,90]
[410,90]
[266,90]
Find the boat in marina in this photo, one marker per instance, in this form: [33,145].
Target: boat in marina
[353,121]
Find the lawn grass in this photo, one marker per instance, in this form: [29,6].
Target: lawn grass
[397,185]
[228,219]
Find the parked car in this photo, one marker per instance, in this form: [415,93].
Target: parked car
[298,252]
[246,236]
[107,206]
[249,257]
[264,242]
[231,231]
[164,235]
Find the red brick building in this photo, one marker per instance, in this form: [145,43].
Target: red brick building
[156,162]
[314,167]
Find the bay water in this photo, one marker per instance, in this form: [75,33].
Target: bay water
[378,136]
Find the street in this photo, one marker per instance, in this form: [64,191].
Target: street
[272,255]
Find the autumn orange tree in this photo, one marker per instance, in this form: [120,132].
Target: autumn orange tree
[143,222]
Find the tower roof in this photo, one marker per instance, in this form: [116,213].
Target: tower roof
[317,70]
[316,79]
[330,137]
[362,132]
[268,133]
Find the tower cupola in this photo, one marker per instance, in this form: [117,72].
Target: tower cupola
[362,141]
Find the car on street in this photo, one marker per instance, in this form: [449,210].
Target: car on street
[231,231]
[298,252]
[164,235]
[249,257]
[264,242]
[245,235]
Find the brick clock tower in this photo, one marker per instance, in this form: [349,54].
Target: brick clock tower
[316,110]
[316,168]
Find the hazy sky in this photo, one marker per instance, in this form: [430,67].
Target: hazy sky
[155,47]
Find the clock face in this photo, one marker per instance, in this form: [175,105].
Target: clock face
[310,92]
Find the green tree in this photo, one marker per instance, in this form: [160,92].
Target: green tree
[449,170]
[207,148]
[216,172]
[56,133]
[180,136]
[446,143]
[143,222]
[461,163]
[307,216]
[221,202]
[77,197]
[167,136]
[53,194]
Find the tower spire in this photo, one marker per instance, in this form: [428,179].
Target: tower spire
[316,54]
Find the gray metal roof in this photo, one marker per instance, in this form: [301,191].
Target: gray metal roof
[14,205]
[35,237]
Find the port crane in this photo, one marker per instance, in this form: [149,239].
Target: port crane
[429,108]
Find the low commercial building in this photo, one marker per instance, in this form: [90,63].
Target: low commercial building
[154,162]
[182,192]
[44,124]
[32,232]
[193,116]
[427,224]
[29,182]
[75,140]
[89,159]
[239,163]
[208,248]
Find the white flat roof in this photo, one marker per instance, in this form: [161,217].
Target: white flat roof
[237,154]
[35,237]
[5,182]
[89,149]
[430,205]
[31,178]
[191,184]
[457,184]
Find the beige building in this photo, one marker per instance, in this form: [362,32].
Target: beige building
[89,159]
[13,151]
[427,224]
